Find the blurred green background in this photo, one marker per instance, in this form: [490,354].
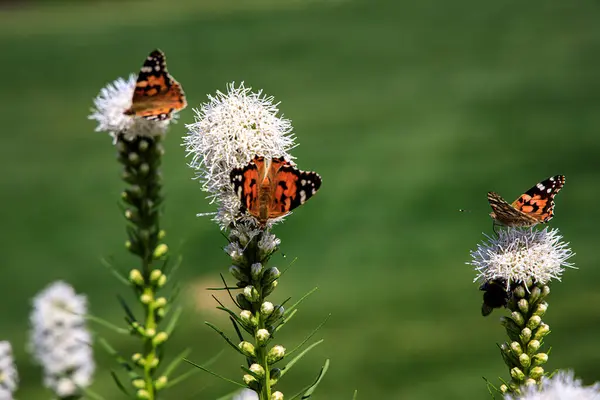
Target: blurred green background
[409,111]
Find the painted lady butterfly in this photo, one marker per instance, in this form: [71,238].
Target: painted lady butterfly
[156,93]
[534,207]
[272,188]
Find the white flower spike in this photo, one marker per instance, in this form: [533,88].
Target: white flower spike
[8,372]
[246,394]
[520,254]
[562,386]
[109,107]
[60,341]
[229,130]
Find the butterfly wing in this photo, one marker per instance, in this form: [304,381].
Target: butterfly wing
[156,93]
[291,188]
[538,202]
[506,214]
[246,181]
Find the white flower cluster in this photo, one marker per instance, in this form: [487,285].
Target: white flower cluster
[60,341]
[8,372]
[111,103]
[519,254]
[246,394]
[562,386]
[229,130]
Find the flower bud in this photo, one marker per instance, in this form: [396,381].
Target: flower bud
[143,145]
[238,273]
[275,354]
[517,317]
[530,382]
[150,332]
[160,302]
[242,302]
[517,374]
[270,275]
[536,372]
[236,253]
[266,308]
[248,349]
[269,288]
[534,322]
[525,335]
[262,337]
[251,294]
[135,277]
[519,292]
[503,388]
[138,383]
[160,250]
[155,275]
[249,379]
[256,270]
[161,234]
[146,298]
[161,281]
[144,169]
[258,370]
[541,331]
[274,375]
[539,359]
[161,382]
[133,158]
[160,338]
[154,362]
[541,308]
[137,358]
[523,306]
[524,360]
[535,294]
[277,396]
[545,291]
[268,243]
[247,318]
[533,346]
[142,394]
[516,349]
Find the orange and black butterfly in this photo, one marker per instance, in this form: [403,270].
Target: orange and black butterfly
[534,207]
[156,93]
[271,188]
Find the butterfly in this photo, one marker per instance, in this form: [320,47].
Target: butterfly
[534,207]
[156,93]
[271,188]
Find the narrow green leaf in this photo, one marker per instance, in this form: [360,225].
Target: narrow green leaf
[309,390]
[176,361]
[309,336]
[290,364]
[173,321]
[225,337]
[285,320]
[355,395]
[107,324]
[113,270]
[92,395]
[296,304]
[119,384]
[213,373]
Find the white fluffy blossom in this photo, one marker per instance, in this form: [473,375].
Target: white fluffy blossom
[60,341]
[519,254]
[111,103]
[246,394]
[8,372]
[229,130]
[562,386]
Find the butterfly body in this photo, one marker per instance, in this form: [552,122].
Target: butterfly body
[271,188]
[533,207]
[156,93]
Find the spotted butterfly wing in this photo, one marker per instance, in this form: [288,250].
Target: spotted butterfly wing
[270,189]
[533,207]
[156,93]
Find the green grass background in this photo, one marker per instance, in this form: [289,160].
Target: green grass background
[409,111]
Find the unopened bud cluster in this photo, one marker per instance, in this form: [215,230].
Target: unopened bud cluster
[526,331]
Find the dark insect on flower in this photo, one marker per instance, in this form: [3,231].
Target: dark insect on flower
[495,295]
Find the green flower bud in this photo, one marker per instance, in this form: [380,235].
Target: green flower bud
[516,349]
[243,303]
[262,337]
[277,396]
[517,374]
[160,250]
[144,169]
[251,294]
[528,281]
[539,359]
[154,362]
[523,306]
[160,302]
[161,312]
[503,388]
[258,370]
[519,292]
[274,375]
[535,294]
[161,234]
[247,318]
[155,275]
[249,379]
[541,308]
[238,273]
[142,394]
[530,382]
[138,359]
[161,382]
[545,291]
[275,354]
[269,288]
[536,372]
[541,331]
[256,271]
[160,338]
[150,332]
[517,317]
[128,245]
[143,145]
[161,281]
[248,349]
[129,214]
[524,360]
[133,158]
[135,277]
[534,322]
[525,335]
[270,275]
[533,346]
[266,308]
[146,298]
[138,383]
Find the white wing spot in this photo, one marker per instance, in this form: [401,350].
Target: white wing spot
[157,67]
[549,190]
[302,196]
